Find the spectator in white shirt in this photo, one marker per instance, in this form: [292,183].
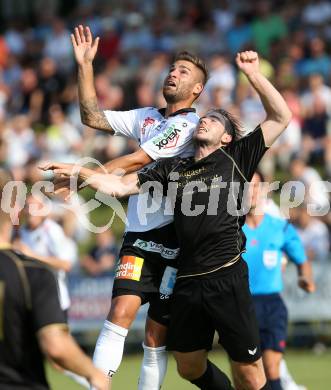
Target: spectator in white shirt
[62,140]
[20,145]
[44,239]
[313,233]
[316,192]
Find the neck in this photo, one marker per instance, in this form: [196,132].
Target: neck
[253,220]
[202,151]
[173,107]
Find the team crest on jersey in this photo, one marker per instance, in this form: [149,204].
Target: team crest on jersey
[148,121]
[129,268]
[168,139]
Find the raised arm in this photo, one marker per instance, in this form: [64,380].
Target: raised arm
[278,114]
[85,50]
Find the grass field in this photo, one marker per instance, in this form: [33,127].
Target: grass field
[314,371]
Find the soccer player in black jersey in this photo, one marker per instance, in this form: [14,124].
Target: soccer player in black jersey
[211,291]
[32,322]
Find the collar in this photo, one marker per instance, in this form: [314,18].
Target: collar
[178,112]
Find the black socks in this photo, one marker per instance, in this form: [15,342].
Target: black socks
[213,379]
[275,384]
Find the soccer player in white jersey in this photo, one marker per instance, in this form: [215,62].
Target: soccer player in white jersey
[148,254]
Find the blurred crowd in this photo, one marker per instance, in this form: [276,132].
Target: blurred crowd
[39,110]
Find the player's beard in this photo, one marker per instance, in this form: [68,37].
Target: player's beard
[182,93]
[206,142]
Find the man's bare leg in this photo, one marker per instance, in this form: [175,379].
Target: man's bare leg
[271,361]
[249,376]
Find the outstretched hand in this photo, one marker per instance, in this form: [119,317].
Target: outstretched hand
[85,48]
[63,186]
[248,62]
[60,169]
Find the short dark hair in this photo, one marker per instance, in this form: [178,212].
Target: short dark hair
[195,60]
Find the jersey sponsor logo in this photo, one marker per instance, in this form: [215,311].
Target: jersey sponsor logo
[151,246]
[129,268]
[270,258]
[252,351]
[148,121]
[168,139]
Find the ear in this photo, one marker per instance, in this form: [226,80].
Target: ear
[197,89]
[226,138]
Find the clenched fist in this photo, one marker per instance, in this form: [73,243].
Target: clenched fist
[248,62]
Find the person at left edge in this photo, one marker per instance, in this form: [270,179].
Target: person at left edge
[32,323]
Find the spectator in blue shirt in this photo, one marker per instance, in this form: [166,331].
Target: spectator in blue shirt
[102,257]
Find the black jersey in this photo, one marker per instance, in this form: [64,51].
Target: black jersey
[208,197]
[28,302]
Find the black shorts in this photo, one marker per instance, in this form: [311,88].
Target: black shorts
[147,261]
[220,302]
[271,316]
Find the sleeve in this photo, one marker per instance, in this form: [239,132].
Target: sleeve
[158,172]
[46,309]
[248,151]
[125,123]
[174,140]
[293,246]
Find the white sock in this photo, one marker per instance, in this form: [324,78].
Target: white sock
[108,351]
[153,369]
[285,377]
